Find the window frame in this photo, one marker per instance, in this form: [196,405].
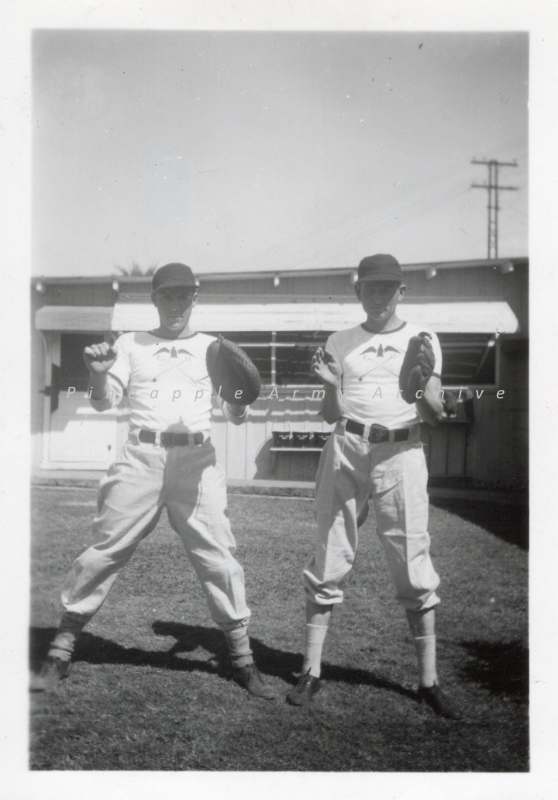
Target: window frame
[494,386]
[275,345]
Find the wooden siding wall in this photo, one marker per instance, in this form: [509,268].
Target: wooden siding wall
[493,451]
[244,450]
[446,448]
[499,441]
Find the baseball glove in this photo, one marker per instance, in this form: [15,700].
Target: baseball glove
[234,376]
[417,367]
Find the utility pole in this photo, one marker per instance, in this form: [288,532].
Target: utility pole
[493,189]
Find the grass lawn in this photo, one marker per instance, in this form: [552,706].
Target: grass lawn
[146,691]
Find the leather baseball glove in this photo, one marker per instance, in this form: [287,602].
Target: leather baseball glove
[234,376]
[417,367]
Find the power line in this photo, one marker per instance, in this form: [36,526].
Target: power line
[493,188]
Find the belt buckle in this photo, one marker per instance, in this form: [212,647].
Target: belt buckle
[179,439]
[189,439]
[378,434]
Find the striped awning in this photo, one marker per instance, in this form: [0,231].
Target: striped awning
[74,318]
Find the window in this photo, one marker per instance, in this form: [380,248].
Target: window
[294,350]
[257,346]
[468,358]
[282,358]
[73,371]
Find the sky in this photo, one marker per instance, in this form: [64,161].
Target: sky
[260,150]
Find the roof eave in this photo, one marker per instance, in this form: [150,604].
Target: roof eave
[478,263]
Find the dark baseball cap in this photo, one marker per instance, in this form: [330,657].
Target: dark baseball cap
[173,275]
[380,267]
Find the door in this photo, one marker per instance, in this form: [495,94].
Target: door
[76,436]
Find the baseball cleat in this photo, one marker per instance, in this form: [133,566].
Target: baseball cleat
[250,679]
[304,691]
[52,672]
[439,702]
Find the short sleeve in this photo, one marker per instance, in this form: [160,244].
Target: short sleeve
[120,370]
[332,349]
[436,347]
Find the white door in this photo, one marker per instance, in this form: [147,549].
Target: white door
[75,435]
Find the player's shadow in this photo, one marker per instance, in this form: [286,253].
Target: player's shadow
[213,658]
[500,667]
[271,661]
[96,650]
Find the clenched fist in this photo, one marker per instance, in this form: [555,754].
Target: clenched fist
[99,358]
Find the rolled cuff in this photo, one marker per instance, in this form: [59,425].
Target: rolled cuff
[419,604]
[323,593]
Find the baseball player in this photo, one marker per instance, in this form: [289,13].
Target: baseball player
[167,461]
[375,451]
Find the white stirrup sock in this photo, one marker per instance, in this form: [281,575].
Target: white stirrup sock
[426,657]
[315,637]
[64,643]
[239,646]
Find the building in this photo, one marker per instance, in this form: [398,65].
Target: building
[478,308]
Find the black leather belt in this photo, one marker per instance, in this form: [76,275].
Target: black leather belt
[168,439]
[378,433]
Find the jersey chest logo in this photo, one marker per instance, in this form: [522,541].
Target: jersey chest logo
[177,361]
[165,353]
[379,358]
[378,352]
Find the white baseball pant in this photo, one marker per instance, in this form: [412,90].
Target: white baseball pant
[395,475]
[187,481]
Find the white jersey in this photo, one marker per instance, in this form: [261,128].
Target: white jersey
[370,364]
[165,381]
